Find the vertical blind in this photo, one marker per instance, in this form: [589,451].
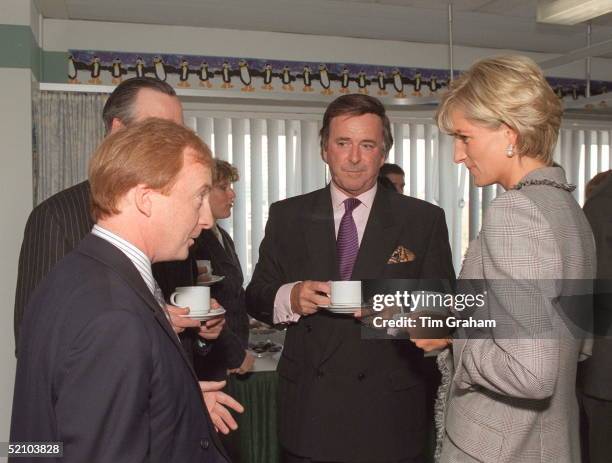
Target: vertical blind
[280,157]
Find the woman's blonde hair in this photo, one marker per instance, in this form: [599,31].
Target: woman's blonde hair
[510,90]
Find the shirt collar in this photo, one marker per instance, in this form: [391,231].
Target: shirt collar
[338,196]
[138,258]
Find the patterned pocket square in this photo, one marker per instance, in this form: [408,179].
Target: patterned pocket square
[401,255]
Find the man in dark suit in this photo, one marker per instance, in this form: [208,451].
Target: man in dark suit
[344,398]
[215,245]
[595,373]
[57,225]
[109,378]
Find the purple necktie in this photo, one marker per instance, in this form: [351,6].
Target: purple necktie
[347,244]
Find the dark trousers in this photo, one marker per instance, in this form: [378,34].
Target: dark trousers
[595,429]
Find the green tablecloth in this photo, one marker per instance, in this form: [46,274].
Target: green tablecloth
[257,438]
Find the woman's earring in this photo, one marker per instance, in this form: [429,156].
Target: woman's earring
[510,150]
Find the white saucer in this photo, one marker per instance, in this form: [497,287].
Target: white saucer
[208,316]
[213,279]
[347,309]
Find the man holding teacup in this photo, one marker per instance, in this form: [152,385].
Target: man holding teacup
[109,378]
[344,398]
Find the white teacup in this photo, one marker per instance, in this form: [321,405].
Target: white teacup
[346,293]
[197,298]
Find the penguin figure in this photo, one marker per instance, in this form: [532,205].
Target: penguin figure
[433,83]
[204,75]
[344,80]
[417,84]
[286,79]
[306,75]
[160,70]
[140,65]
[324,80]
[116,71]
[184,74]
[72,71]
[559,91]
[362,83]
[95,71]
[267,77]
[225,74]
[398,83]
[245,76]
[382,84]
[574,92]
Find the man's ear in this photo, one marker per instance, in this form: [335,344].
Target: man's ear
[116,125]
[143,199]
[324,154]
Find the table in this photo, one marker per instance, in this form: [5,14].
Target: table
[257,438]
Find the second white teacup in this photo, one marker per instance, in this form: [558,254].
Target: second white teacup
[197,298]
[346,293]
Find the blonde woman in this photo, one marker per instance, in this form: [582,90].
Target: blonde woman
[509,394]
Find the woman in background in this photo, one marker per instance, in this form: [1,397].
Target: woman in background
[215,245]
[508,393]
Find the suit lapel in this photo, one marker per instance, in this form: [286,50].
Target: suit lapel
[230,251]
[109,255]
[321,237]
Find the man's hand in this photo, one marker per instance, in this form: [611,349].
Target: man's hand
[432,344]
[216,402]
[212,328]
[307,296]
[179,320]
[246,366]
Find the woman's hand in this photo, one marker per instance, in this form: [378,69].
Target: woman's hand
[432,344]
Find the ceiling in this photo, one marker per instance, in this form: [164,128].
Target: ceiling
[504,24]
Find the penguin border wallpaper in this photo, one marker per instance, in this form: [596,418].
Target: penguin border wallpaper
[278,76]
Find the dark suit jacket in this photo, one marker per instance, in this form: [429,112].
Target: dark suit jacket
[595,374]
[101,370]
[55,227]
[229,351]
[343,398]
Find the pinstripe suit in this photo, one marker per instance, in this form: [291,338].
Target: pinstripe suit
[512,396]
[54,228]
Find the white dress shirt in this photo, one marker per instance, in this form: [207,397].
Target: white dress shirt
[138,258]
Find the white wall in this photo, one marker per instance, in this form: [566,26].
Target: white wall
[15,205]
[15,192]
[61,35]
